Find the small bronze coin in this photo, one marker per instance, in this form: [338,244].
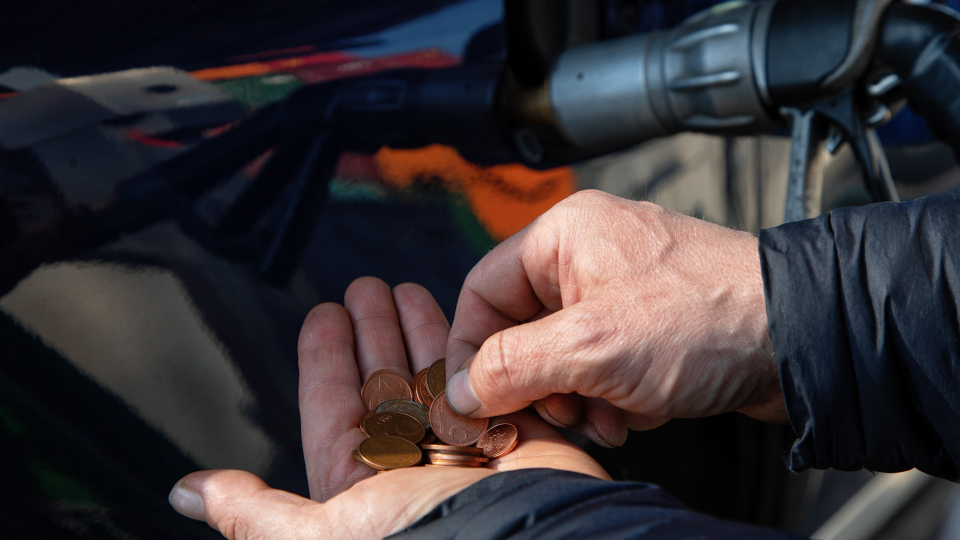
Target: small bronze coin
[455,464]
[415,386]
[393,424]
[411,408]
[384,385]
[434,456]
[452,428]
[437,378]
[421,394]
[385,453]
[465,450]
[366,417]
[499,440]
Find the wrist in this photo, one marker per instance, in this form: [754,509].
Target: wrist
[765,402]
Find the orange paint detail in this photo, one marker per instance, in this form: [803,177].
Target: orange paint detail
[254,69]
[505,198]
[328,66]
[257,69]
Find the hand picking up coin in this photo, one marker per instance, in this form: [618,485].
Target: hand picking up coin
[399,418]
[401,331]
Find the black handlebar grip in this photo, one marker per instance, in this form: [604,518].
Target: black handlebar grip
[921,43]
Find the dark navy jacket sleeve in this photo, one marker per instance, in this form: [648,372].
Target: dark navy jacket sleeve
[547,504]
[863,311]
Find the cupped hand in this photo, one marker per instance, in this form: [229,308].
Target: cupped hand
[403,330]
[609,314]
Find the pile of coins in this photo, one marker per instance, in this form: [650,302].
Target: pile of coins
[403,425]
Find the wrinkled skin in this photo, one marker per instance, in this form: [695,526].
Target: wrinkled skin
[609,314]
[378,328]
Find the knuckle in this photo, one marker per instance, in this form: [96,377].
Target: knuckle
[588,196]
[239,527]
[502,372]
[228,526]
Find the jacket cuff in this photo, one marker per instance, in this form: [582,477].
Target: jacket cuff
[862,315]
[546,504]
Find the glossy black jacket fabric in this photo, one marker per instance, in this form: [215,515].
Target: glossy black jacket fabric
[545,504]
[863,307]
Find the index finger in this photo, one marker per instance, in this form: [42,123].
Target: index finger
[513,283]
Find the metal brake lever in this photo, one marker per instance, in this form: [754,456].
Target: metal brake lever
[810,126]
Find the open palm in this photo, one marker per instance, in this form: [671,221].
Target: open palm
[403,330]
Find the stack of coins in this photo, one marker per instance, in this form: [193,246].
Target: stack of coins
[399,418]
[444,455]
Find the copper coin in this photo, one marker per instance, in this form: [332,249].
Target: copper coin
[420,391]
[499,440]
[437,378]
[434,456]
[392,424]
[465,450]
[429,437]
[457,455]
[454,464]
[415,386]
[366,416]
[384,453]
[452,428]
[384,385]
[410,408]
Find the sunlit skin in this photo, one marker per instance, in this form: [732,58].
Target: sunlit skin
[609,314]
[604,314]
[401,329]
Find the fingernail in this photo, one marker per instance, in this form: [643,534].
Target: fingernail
[590,432]
[460,394]
[188,503]
[542,411]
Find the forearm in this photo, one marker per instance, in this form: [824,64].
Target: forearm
[863,314]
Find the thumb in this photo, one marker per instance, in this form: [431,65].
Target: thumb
[522,364]
[241,506]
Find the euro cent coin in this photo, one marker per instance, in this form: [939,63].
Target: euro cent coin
[464,450]
[385,453]
[383,386]
[499,440]
[452,428]
[411,408]
[437,456]
[421,393]
[366,417]
[394,424]
[437,378]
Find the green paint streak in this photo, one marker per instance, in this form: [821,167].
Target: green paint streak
[60,487]
[255,92]
[473,231]
[344,189]
[475,234]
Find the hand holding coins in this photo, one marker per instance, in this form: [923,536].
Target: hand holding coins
[382,337]
[396,424]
